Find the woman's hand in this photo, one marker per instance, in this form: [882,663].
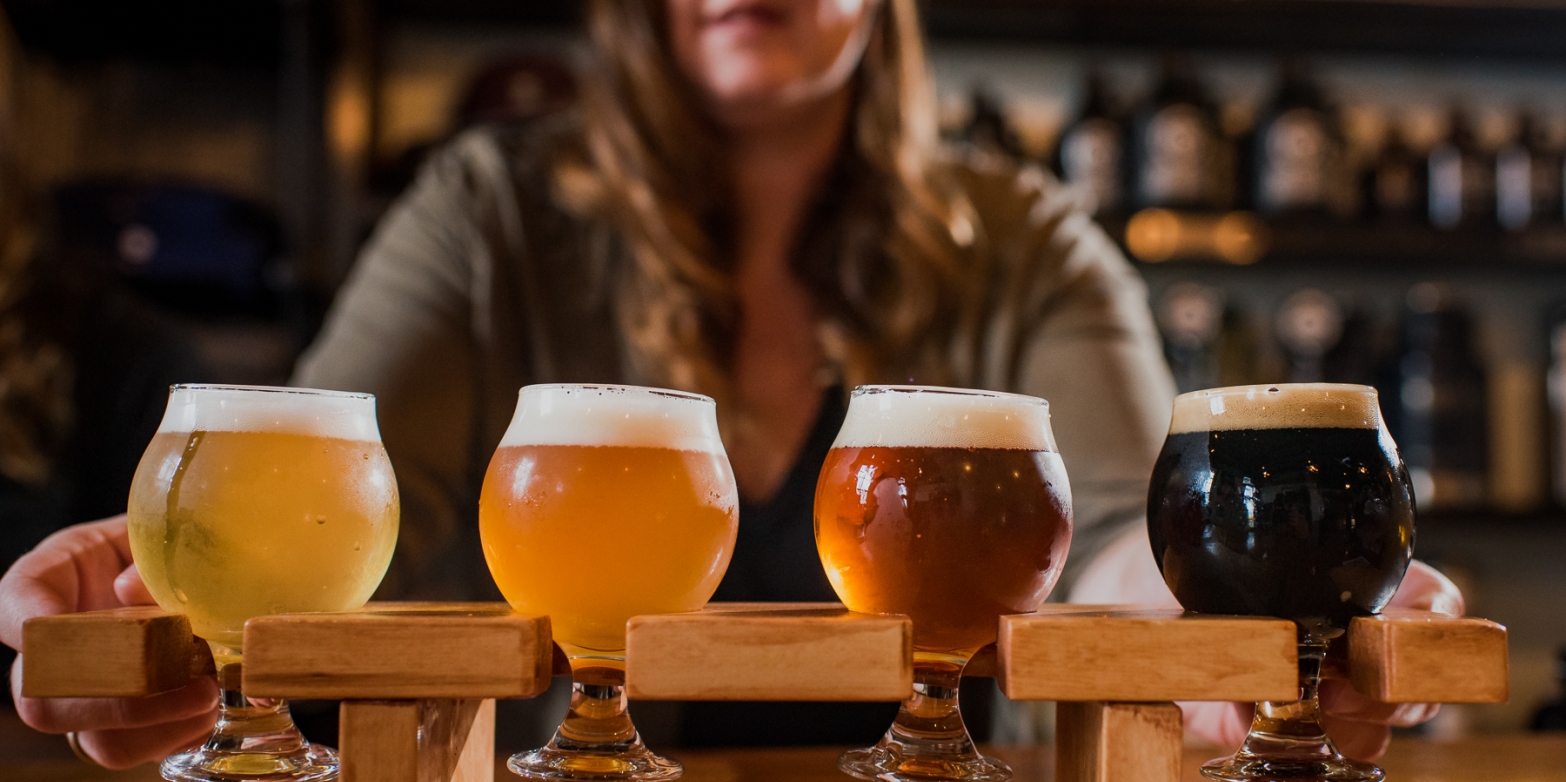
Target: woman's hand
[1360,727]
[86,568]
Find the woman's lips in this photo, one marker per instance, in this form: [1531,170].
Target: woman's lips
[749,16]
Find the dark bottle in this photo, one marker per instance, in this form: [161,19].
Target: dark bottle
[1437,404]
[1190,318]
[1309,324]
[1395,186]
[1297,150]
[988,127]
[1527,178]
[1176,147]
[1091,155]
[1461,179]
[1552,715]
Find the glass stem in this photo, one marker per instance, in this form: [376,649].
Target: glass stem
[247,725]
[931,719]
[598,718]
[1293,728]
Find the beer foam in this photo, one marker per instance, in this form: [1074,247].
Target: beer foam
[1283,406]
[621,416]
[928,417]
[195,408]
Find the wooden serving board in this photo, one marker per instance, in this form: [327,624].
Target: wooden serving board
[770,651]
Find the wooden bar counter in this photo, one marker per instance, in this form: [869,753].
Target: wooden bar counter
[1540,758]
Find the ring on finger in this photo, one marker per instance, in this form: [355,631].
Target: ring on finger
[75,741]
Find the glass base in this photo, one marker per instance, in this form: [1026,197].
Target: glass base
[632,761]
[892,761]
[312,763]
[1252,768]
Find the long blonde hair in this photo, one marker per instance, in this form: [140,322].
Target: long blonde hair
[35,371]
[895,290]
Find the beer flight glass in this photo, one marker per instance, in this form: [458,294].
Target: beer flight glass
[253,501]
[950,506]
[1287,501]
[603,503]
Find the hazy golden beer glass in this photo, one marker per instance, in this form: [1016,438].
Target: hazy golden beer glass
[603,503]
[953,507]
[252,501]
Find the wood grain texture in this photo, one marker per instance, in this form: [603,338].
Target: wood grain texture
[417,741]
[1403,656]
[399,651]
[1126,653]
[1118,742]
[124,652]
[771,652]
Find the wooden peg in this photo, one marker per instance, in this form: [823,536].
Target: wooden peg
[1404,656]
[1118,742]
[119,653]
[399,650]
[1126,653]
[417,741]
[770,651]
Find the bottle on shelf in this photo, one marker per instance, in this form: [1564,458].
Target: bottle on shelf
[1309,326]
[1297,150]
[1394,188]
[1091,154]
[1551,716]
[1437,402]
[1528,178]
[1461,179]
[1176,144]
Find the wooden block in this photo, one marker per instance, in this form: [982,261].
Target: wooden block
[124,652]
[1118,742]
[1126,653]
[399,651]
[1403,656]
[770,652]
[417,741]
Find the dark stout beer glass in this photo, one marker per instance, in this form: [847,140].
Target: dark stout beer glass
[952,507]
[1287,501]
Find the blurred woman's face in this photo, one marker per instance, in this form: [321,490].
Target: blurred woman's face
[752,61]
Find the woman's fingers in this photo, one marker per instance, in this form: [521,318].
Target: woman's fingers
[1427,589]
[131,590]
[1359,740]
[119,749]
[1218,723]
[64,715]
[1341,701]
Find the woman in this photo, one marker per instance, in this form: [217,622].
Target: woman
[751,205]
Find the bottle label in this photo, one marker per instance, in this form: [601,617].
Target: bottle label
[1460,187]
[1090,159]
[1514,187]
[1178,151]
[1296,159]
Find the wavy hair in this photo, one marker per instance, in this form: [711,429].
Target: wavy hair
[893,282]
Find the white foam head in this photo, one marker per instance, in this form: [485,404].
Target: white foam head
[1281,406]
[623,416]
[335,414]
[930,417]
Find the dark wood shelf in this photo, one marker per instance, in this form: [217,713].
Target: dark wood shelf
[1450,28]
[228,33]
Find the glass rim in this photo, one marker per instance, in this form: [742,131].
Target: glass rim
[1276,388]
[314,392]
[868,390]
[688,396]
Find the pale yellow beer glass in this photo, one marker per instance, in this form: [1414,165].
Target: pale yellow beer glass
[253,501]
[603,503]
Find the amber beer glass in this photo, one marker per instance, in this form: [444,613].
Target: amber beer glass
[1287,501]
[253,501]
[603,503]
[950,506]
